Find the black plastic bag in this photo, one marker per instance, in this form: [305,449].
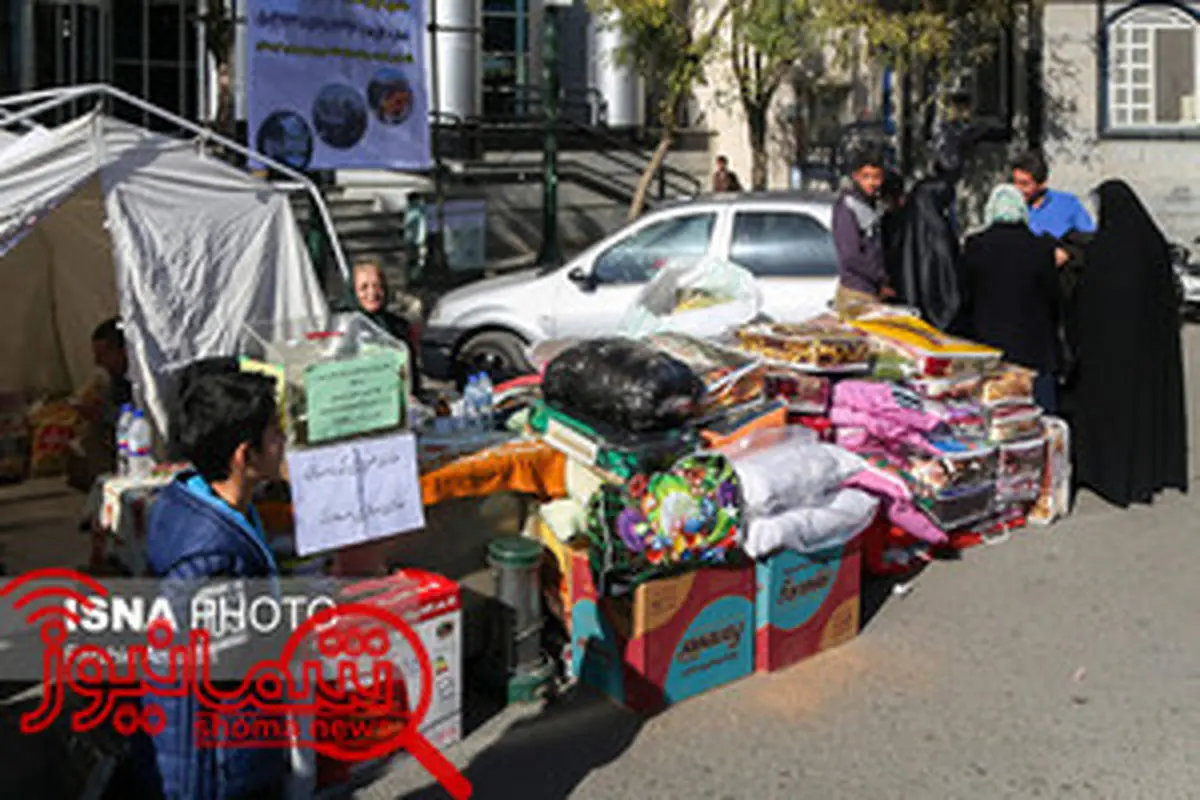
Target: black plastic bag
[624,383]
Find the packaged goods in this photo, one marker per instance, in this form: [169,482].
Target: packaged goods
[1008,384]
[624,383]
[617,453]
[1020,471]
[955,509]
[1054,499]
[956,467]
[803,393]
[933,354]
[729,379]
[965,421]
[961,388]
[52,428]
[1014,423]
[819,345]
[689,515]
[734,424]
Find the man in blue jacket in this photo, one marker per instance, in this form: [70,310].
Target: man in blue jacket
[1051,212]
[204,527]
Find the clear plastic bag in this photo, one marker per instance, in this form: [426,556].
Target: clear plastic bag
[704,297]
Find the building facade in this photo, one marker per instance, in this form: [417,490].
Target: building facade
[1122,99]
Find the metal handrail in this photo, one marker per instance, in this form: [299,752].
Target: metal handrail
[63,96]
[690,180]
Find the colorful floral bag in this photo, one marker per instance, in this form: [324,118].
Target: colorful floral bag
[666,523]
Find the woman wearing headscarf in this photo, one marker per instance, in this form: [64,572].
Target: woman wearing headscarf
[370,295]
[1012,282]
[926,267]
[1129,418]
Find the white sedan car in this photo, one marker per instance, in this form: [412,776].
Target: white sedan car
[784,239]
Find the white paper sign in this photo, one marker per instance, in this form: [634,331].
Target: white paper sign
[355,492]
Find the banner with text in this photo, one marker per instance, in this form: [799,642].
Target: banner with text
[336,84]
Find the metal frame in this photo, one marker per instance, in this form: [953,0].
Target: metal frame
[55,98]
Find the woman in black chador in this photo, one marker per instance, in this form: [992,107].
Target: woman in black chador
[926,262]
[1129,417]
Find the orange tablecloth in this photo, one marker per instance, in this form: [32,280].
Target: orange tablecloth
[525,466]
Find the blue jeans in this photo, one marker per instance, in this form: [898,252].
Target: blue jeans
[1045,392]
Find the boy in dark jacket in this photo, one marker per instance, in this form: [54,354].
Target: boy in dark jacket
[203,526]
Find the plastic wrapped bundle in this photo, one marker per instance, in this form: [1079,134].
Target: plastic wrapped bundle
[1054,501]
[624,383]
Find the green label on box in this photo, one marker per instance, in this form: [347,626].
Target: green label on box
[358,395]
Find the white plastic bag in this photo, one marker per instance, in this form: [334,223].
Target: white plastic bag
[786,468]
[732,291]
[832,522]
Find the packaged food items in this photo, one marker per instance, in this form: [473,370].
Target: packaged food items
[1014,422]
[729,378]
[1020,470]
[932,353]
[692,299]
[965,387]
[818,345]
[1009,384]
[803,393]
[1054,499]
[958,465]
[53,426]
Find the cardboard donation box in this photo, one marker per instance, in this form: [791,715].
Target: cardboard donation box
[671,639]
[806,603]
[431,604]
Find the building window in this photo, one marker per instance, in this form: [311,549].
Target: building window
[1152,70]
[505,57]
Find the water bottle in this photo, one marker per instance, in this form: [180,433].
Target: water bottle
[487,402]
[141,440]
[123,420]
[470,403]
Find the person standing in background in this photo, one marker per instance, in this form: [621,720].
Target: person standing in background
[724,179]
[1051,212]
[1129,412]
[858,237]
[1010,277]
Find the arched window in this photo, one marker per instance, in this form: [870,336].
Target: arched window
[1153,69]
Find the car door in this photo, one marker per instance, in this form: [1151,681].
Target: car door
[791,254]
[619,270]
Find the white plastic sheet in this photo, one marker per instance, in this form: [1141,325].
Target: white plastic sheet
[737,297]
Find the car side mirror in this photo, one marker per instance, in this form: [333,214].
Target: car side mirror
[582,278]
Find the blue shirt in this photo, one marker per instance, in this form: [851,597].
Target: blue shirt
[1058,214]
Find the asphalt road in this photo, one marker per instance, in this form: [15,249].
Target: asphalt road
[1063,663]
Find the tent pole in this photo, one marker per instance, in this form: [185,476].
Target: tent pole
[66,95]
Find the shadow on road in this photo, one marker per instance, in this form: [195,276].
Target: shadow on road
[549,755]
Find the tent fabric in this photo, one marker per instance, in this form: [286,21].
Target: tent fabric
[189,248]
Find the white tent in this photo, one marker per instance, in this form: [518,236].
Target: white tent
[98,217]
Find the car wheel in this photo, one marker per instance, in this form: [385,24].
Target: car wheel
[498,353]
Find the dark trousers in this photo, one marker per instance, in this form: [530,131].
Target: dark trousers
[1045,392]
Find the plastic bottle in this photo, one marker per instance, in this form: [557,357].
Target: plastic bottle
[487,403]
[469,408]
[123,420]
[141,462]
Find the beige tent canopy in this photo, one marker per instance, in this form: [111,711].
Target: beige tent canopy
[99,217]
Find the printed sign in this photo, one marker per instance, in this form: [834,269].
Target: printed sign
[355,492]
[359,395]
[336,84]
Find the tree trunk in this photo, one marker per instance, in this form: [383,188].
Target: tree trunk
[756,118]
[638,205]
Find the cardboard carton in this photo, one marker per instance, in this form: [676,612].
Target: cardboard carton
[805,603]
[671,639]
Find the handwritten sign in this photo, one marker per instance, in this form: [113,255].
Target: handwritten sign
[358,395]
[355,492]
